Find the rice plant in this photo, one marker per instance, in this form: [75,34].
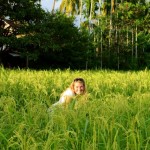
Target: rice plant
[116,116]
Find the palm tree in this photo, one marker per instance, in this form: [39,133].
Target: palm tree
[69,7]
[81,8]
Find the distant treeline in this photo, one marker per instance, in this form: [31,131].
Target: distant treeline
[112,35]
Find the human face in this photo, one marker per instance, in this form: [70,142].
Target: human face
[79,88]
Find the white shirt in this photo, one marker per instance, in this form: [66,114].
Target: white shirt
[65,94]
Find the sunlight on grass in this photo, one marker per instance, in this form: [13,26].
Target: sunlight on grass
[116,117]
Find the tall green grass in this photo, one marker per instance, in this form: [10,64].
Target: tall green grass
[116,116]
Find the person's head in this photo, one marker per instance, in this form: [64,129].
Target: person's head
[78,86]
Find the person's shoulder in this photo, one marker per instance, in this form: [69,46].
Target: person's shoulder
[68,92]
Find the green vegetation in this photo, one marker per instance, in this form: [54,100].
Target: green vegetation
[117,116]
[110,35]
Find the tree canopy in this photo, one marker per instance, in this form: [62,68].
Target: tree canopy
[42,38]
[112,34]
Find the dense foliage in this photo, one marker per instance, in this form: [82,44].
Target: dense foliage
[42,39]
[120,30]
[112,34]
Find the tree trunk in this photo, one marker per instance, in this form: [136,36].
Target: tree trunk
[53,8]
[136,52]
[27,61]
[81,11]
[132,44]
[118,49]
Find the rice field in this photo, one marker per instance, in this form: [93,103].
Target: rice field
[116,116]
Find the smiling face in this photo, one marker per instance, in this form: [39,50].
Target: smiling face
[79,88]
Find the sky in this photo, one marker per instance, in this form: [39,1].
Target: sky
[48,4]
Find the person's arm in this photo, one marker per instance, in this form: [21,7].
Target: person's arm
[65,98]
[68,100]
